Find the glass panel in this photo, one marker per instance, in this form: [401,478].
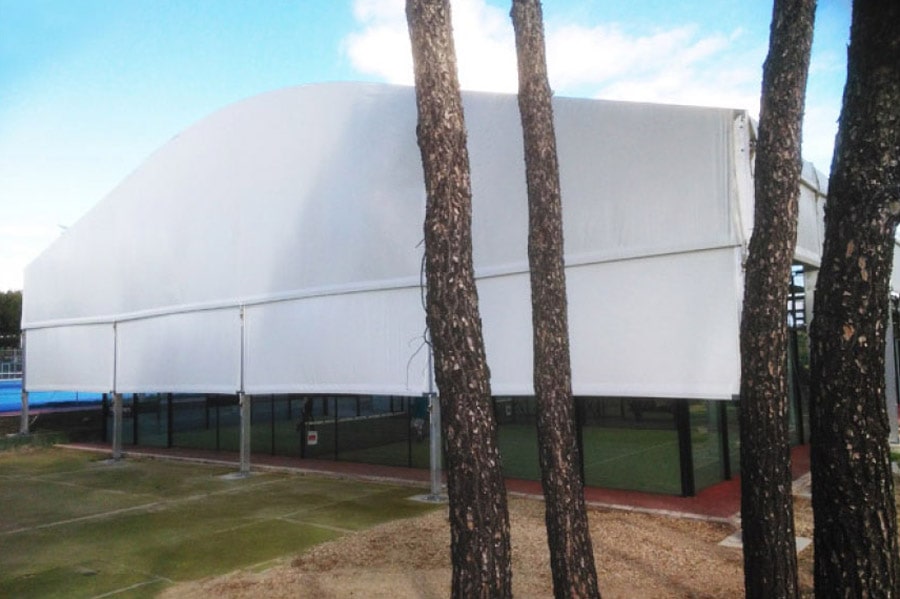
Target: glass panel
[516,419]
[261,417]
[631,444]
[798,386]
[706,443]
[127,420]
[420,422]
[315,414]
[228,418]
[289,424]
[734,437]
[374,430]
[153,420]
[193,425]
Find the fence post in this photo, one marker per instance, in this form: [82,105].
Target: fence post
[724,444]
[170,421]
[434,407]
[135,425]
[23,422]
[685,448]
[244,401]
[117,427]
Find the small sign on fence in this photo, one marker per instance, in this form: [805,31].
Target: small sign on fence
[312,437]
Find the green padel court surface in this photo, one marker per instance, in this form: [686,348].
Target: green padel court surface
[74,525]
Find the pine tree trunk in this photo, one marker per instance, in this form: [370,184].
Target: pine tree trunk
[767,509]
[568,534]
[855,539]
[479,521]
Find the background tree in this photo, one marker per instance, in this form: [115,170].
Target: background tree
[855,538]
[568,534]
[479,521]
[767,509]
[10,318]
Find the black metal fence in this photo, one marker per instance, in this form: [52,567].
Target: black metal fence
[657,445]
[370,429]
[10,363]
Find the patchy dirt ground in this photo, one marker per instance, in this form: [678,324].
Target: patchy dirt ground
[638,555]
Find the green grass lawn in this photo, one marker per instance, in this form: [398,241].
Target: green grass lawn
[73,525]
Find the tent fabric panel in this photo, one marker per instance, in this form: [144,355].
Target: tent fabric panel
[505,306]
[663,327]
[810,226]
[180,353]
[741,185]
[282,194]
[74,358]
[79,254]
[369,342]
[306,205]
[639,179]
[275,195]
[636,179]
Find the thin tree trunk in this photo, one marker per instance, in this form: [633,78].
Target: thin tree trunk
[855,539]
[767,509]
[479,521]
[568,534]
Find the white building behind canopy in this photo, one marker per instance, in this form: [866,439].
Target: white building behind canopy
[276,247]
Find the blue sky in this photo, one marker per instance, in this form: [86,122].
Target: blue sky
[89,88]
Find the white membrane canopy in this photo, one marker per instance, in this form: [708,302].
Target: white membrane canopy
[275,247]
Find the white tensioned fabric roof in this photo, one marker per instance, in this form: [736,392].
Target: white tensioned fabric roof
[275,246]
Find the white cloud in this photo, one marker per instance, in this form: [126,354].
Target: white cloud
[381,48]
[483,35]
[579,55]
[677,64]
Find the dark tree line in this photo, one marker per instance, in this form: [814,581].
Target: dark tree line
[10,318]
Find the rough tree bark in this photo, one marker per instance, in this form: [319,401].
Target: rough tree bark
[568,534]
[767,514]
[479,521]
[855,538]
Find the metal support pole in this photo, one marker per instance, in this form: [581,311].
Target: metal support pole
[244,401]
[23,422]
[117,427]
[434,408]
